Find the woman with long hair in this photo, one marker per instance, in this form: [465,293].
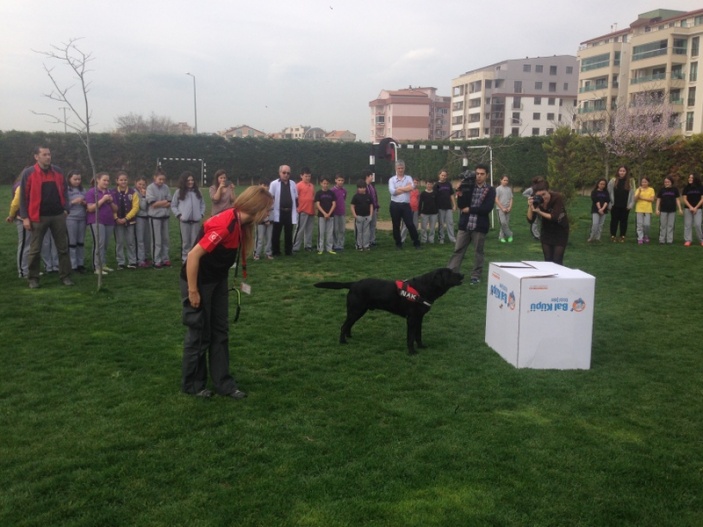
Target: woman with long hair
[693,201]
[221,193]
[550,207]
[599,209]
[189,208]
[223,239]
[622,198]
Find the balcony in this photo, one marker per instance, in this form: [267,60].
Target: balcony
[591,109]
[648,78]
[593,87]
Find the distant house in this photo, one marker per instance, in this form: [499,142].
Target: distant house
[340,136]
[242,131]
[184,128]
[295,132]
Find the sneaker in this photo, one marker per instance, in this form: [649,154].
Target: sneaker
[475,281]
[33,283]
[158,266]
[640,242]
[502,240]
[108,269]
[256,257]
[646,239]
[167,263]
[142,265]
[237,394]
[319,252]
[687,244]
[331,252]
[510,239]
[99,271]
[68,281]
[612,239]
[131,266]
[120,267]
[204,393]
[622,239]
[269,257]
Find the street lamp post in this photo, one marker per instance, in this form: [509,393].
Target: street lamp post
[195,103]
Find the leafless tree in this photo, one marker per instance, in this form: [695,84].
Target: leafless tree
[68,55]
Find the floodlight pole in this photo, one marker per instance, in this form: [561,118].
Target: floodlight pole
[195,104]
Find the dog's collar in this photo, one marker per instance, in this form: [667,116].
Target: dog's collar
[409,293]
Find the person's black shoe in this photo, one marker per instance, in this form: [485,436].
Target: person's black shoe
[237,394]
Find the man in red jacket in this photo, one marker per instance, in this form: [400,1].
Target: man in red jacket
[43,208]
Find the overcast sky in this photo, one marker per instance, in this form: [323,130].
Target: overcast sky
[276,63]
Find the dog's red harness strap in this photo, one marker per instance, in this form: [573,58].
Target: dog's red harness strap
[409,293]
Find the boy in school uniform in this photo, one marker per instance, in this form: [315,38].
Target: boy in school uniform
[326,204]
[362,209]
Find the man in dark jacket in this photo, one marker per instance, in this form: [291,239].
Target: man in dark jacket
[475,206]
[43,208]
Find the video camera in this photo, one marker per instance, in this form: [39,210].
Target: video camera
[468,181]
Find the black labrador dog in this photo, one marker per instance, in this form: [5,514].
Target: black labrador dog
[411,299]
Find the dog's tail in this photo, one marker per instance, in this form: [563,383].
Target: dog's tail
[334,285]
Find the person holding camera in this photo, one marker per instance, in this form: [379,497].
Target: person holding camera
[475,200]
[549,206]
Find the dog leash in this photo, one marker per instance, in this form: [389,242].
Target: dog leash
[234,287]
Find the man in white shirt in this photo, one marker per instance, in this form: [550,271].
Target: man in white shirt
[400,186]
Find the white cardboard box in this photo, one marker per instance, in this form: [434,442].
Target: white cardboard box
[540,315]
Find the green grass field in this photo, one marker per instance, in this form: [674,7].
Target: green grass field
[94,431]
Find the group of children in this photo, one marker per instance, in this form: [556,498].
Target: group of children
[136,218]
[328,206]
[645,201]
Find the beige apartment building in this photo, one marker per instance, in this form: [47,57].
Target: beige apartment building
[521,97]
[653,62]
[412,114]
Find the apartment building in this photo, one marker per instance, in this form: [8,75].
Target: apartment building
[521,97]
[653,62]
[412,114]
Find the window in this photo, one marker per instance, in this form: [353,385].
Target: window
[551,101]
[380,119]
[566,86]
[518,86]
[538,68]
[489,83]
[538,100]
[646,51]
[538,85]
[527,68]
[536,116]
[569,70]
[695,44]
[679,46]
[593,63]
[517,103]
[552,86]
[535,131]
[552,70]
[550,131]
[692,96]
[515,132]
[550,117]
[693,72]
[689,121]
[516,118]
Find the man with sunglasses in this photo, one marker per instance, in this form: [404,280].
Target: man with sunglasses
[285,211]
